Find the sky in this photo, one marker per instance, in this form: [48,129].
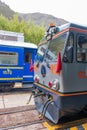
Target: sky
[70,10]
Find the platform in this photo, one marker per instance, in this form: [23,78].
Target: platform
[14,100]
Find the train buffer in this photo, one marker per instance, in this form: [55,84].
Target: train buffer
[73,125]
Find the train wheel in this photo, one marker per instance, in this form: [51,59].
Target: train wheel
[6,88]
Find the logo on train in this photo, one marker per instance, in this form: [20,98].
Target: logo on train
[8,71]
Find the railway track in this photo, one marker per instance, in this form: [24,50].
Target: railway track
[24,116]
[28,117]
[19,117]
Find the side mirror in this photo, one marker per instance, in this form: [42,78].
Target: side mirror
[68,56]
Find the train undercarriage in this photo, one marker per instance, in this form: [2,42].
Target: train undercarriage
[55,107]
[5,87]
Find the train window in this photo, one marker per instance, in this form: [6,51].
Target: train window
[8,58]
[56,45]
[28,57]
[70,40]
[82,49]
[68,54]
[41,52]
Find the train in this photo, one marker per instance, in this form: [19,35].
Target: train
[60,81]
[16,63]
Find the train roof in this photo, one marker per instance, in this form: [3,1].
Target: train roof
[18,44]
[53,30]
[72,25]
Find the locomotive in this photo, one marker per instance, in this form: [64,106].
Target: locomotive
[60,80]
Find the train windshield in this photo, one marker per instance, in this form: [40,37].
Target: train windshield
[56,45]
[49,50]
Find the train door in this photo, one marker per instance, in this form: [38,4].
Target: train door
[68,65]
[74,64]
[28,63]
[81,59]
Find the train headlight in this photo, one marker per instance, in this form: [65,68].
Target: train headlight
[36,78]
[55,85]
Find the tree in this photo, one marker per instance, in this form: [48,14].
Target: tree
[32,33]
[35,33]
[4,23]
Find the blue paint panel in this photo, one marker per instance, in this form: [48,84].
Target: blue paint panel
[12,73]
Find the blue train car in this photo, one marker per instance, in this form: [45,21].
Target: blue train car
[16,63]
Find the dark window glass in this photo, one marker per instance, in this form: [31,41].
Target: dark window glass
[41,52]
[28,57]
[68,52]
[82,48]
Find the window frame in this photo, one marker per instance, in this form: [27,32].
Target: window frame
[66,46]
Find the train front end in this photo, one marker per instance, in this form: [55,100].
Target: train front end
[48,72]
[59,81]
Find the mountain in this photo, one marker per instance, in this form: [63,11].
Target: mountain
[37,18]
[40,18]
[5,10]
